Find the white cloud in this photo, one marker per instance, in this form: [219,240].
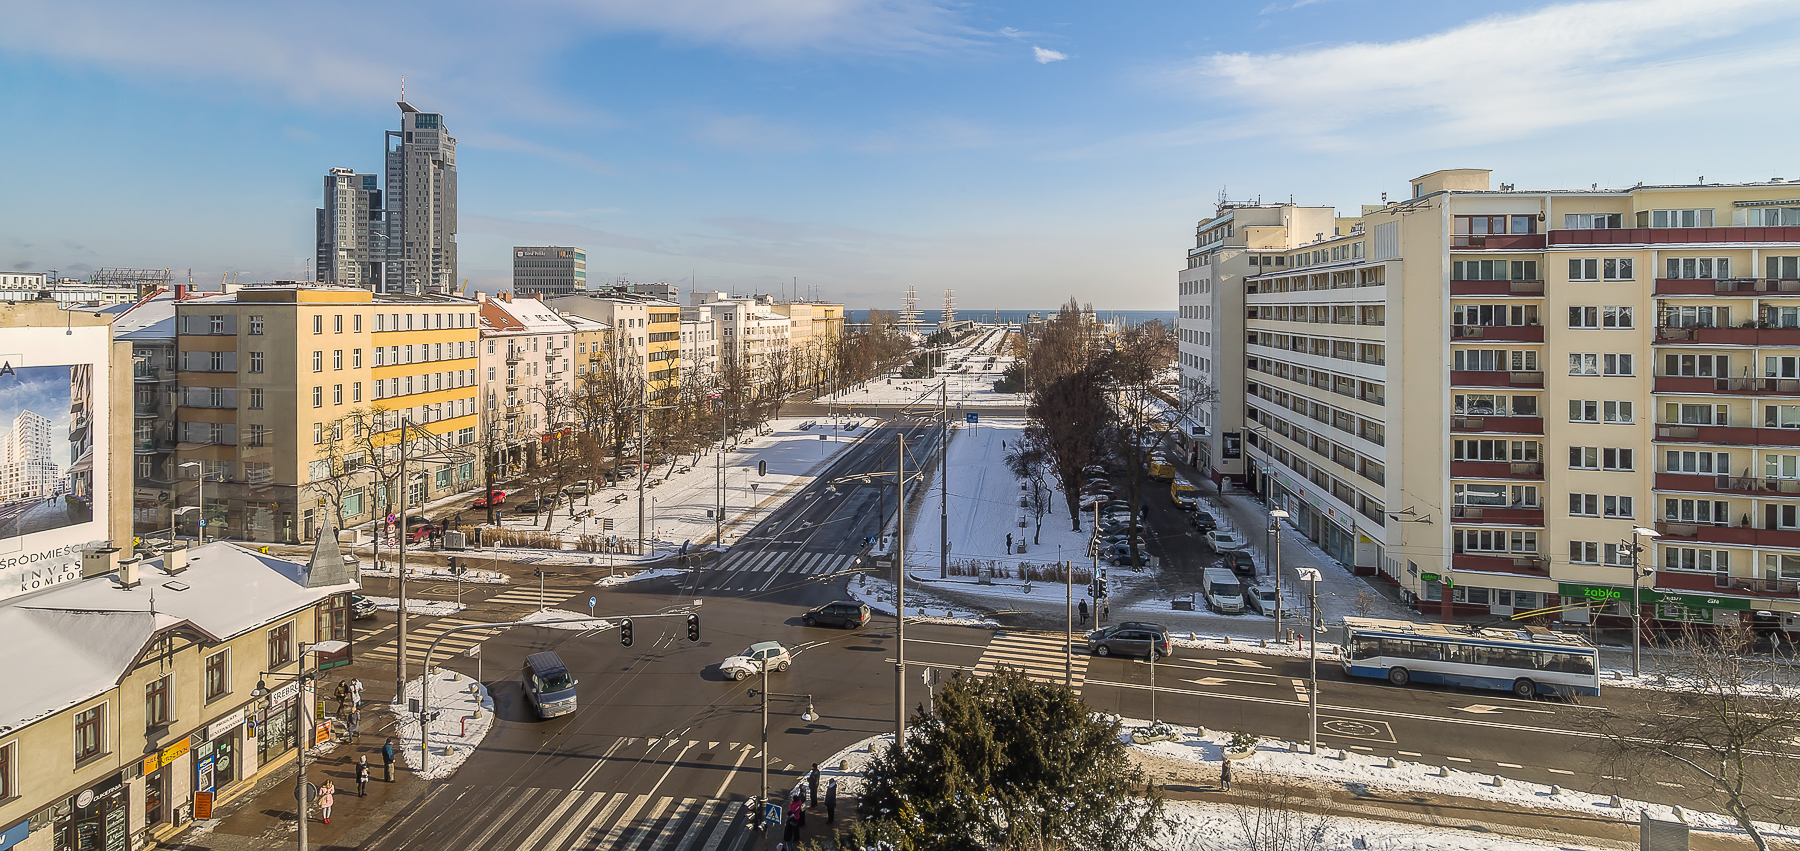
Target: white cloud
[1045,57]
[1509,76]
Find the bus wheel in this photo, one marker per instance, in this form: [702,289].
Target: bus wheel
[1524,689]
[1399,676]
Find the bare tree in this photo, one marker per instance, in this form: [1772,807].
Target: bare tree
[1068,418]
[1029,464]
[1727,737]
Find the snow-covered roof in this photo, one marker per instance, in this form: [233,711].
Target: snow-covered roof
[74,641]
[152,318]
[522,315]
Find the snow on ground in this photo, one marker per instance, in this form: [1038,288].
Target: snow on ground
[571,620]
[675,505]
[416,570]
[1355,770]
[921,605]
[416,606]
[971,389]
[622,578]
[456,698]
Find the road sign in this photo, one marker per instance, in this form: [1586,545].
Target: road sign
[606,524]
[771,813]
[592,601]
[762,468]
[973,417]
[202,522]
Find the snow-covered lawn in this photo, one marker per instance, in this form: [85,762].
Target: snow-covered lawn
[921,605]
[577,621]
[971,389]
[622,578]
[416,606]
[456,698]
[416,570]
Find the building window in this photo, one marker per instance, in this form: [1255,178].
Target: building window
[1694,559]
[319,324]
[356,358]
[156,703]
[337,392]
[356,391]
[256,434]
[1592,221]
[281,646]
[318,396]
[256,324]
[337,358]
[90,739]
[318,361]
[356,323]
[215,324]
[1612,269]
[256,398]
[1699,218]
[8,786]
[256,361]
[337,324]
[1699,267]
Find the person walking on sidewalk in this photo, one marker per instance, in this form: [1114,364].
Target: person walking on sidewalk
[343,695]
[325,794]
[362,776]
[356,690]
[812,783]
[387,758]
[1225,775]
[831,801]
[1082,610]
[354,724]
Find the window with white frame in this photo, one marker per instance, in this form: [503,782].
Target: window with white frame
[1697,267]
[1781,465]
[1782,266]
[1697,366]
[1616,412]
[1781,416]
[1687,461]
[1782,566]
[1593,221]
[1696,316]
[1696,218]
[1696,559]
[1687,414]
[1494,541]
[1770,217]
[1601,269]
[1715,511]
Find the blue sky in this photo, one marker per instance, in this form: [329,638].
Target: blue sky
[1019,153]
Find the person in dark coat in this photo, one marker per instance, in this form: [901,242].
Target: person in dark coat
[362,776]
[387,758]
[812,783]
[1082,610]
[1225,775]
[831,801]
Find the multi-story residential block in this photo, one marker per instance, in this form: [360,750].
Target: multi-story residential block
[28,468]
[593,345]
[752,336]
[527,376]
[1563,368]
[350,230]
[273,380]
[813,333]
[547,270]
[149,326]
[646,333]
[143,696]
[700,342]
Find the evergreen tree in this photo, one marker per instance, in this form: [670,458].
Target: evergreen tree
[1006,763]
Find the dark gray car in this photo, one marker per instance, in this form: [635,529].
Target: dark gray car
[844,614]
[1131,638]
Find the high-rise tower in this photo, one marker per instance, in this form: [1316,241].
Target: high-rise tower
[351,239]
[421,196]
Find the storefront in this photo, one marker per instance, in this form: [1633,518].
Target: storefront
[216,761]
[1669,606]
[97,819]
[275,723]
[166,783]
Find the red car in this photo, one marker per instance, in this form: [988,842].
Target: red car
[420,533]
[493,498]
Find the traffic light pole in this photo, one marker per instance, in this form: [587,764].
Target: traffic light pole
[425,713]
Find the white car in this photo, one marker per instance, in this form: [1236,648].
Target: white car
[752,660]
[1222,541]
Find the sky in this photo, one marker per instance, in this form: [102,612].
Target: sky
[1017,153]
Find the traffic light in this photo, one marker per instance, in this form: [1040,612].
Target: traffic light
[625,632]
[693,627]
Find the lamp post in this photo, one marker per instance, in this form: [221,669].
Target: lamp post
[808,716]
[1316,626]
[1275,518]
[1637,606]
[301,676]
[199,503]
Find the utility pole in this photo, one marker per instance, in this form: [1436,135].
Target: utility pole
[1069,657]
[944,479]
[400,654]
[1094,578]
[900,604]
[1275,518]
[1637,607]
[642,438]
[1313,625]
[719,516]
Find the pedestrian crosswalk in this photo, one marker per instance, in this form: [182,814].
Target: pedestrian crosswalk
[754,569]
[527,595]
[420,637]
[502,818]
[1040,655]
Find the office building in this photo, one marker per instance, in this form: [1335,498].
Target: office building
[548,270]
[350,231]
[1563,367]
[421,196]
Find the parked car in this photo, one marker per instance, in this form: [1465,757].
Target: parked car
[1222,541]
[1088,502]
[1203,521]
[1224,593]
[494,497]
[1130,638]
[361,608]
[769,654]
[844,614]
[1240,562]
[419,534]
[1124,559]
[1122,538]
[581,488]
[543,502]
[1262,598]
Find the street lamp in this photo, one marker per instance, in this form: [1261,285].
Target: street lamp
[199,502]
[809,716]
[1311,575]
[1638,571]
[301,676]
[1275,518]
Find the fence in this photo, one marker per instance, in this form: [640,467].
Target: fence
[1025,571]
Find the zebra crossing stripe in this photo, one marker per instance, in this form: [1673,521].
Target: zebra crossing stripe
[646,822]
[712,842]
[765,561]
[682,811]
[499,820]
[421,806]
[619,827]
[592,826]
[550,821]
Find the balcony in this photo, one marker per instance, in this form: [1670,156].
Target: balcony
[1524,288]
[1721,483]
[1503,425]
[1714,583]
[1483,378]
[1500,333]
[514,355]
[1728,435]
[1526,565]
[1531,470]
[1672,236]
[148,374]
[1504,516]
[1743,536]
[1500,241]
[1712,286]
[1736,386]
[1740,336]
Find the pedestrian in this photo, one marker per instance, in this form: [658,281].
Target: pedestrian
[362,776]
[325,793]
[387,758]
[831,801]
[799,807]
[356,691]
[343,695]
[1083,612]
[1225,775]
[812,783]
[790,832]
[1106,611]
[1009,542]
[355,724]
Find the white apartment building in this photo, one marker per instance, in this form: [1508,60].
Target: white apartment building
[527,372]
[750,333]
[28,468]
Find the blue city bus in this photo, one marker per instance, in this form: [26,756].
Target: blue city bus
[548,685]
[1526,661]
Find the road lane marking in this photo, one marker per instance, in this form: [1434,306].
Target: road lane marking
[1409,753]
[742,755]
[1458,759]
[712,842]
[672,763]
[1486,709]
[1560,771]
[1213,681]
[1509,765]
[647,823]
[498,821]
[1670,785]
[668,833]
[575,796]
[619,827]
[617,743]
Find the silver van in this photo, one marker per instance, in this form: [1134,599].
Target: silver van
[1224,591]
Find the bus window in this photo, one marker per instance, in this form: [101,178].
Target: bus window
[1365,647]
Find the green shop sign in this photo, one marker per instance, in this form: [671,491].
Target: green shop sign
[1651,597]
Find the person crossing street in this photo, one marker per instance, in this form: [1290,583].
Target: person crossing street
[1082,611]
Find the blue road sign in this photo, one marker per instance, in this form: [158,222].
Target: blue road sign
[771,814]
[202,522]
[592,601]
[973,417]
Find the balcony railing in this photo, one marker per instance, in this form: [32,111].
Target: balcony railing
[1672,236]
[1498,241]
[1511,516]
[1740,535]
[1729,435]
[1526,288]
[1497,469]
[1740,336]
[1484,563]
[1716,286]
[1744,385]
[1507,425]
[1716,483]
[1506,333]
[1485,378]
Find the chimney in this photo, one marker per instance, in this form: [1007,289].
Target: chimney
[128,573]
[480,296]
[99,562]
[175,560]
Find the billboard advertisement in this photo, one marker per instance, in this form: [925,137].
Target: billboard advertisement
[53,449]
